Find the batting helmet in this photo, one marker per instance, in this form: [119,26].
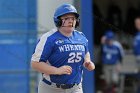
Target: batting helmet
[62,10]
[109,35]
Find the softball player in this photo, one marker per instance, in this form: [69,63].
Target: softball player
[61,54]
[136,49]
[136,44]
[112,54]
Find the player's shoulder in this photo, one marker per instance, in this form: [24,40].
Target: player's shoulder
[48,34]
[137,37]
[79,33]
[116,43]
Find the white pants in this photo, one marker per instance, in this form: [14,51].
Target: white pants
[111,74]
[45,88]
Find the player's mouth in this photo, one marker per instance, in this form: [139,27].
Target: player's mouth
[70,25]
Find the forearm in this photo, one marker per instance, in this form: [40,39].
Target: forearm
[87,57]
[88,64]
[44,68]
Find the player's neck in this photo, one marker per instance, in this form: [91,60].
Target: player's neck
[66,33]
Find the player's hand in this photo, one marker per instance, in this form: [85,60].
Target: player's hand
[118,67]
[89,66]
[64,70]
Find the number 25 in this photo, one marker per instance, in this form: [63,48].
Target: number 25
[75,57]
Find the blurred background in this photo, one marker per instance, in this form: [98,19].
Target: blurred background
[23,22]
[119,16]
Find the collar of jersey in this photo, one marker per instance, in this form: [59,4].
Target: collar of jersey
[66,36]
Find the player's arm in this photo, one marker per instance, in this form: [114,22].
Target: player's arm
[48,69]
[39,58]
[121,52]
[88,64]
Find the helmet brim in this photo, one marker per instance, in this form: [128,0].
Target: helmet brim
[76,14]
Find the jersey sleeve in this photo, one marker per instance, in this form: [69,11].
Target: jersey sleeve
[121,50]
[136,45]
[86,50]
[43,50]
[86,43]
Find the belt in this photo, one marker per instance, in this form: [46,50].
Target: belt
[63,86]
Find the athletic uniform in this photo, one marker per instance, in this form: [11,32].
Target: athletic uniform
[136,48]
[112,54]
[58,50]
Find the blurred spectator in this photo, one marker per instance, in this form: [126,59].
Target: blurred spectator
[112,55]
[136,44]
[136,48]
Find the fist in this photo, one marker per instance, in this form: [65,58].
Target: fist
[89,66]
[64,70]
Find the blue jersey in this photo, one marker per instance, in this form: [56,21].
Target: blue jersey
[136,44]
[60,50]
[111,54]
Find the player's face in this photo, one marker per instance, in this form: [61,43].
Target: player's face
[137,24]
[68,22]
[109,41]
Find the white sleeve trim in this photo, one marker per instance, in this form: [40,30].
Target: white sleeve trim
[120,47]
[40,46]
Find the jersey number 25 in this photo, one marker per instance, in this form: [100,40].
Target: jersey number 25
[75,57]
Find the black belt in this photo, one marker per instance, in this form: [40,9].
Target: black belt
[63,86]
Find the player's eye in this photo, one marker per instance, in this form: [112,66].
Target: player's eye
[68,18]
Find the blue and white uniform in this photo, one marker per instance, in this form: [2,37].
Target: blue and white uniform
[111,54]
[136,49]
[136,44]
[59,50]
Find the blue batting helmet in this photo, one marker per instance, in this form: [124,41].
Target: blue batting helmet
[62,10]
[109,35]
